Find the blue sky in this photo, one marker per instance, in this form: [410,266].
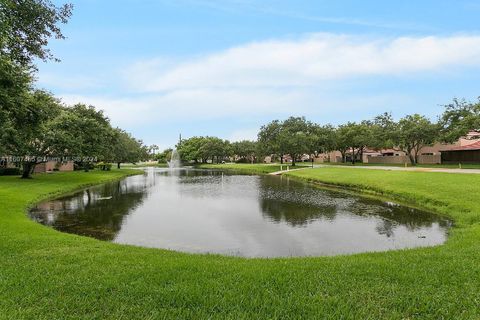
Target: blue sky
[224,68]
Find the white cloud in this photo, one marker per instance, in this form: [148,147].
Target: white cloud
[307,61]
[244,134]
[310,76]
[205,104]
[196,104]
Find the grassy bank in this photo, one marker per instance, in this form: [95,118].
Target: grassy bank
[45,274]
[252,168]
[436,166]
[144,165]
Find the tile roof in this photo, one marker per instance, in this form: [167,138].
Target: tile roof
[473,146]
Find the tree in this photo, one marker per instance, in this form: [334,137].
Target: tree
[126,148]
[26,137]
[323,139]
[189,149]
[458,119]
[355,137]
[26,27]
[164,156]
[15,90]
[268,139]
[342,141]
[83,133]
[383,132]
[246,150]
[415,132]
[214,148]
[297,137]
[294,136]
[152,150]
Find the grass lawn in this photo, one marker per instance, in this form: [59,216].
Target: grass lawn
[252,168]
[138,165]
[45,274]
[447,166]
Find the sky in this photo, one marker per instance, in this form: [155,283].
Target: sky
[160,68]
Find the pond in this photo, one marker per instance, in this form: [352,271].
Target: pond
[205,211]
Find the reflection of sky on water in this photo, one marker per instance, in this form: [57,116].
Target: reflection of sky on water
[209,211]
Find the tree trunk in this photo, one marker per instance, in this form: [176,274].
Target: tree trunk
[281,159]
[118,165]
[413,159]
[293,160]
[27,170]
[86,167]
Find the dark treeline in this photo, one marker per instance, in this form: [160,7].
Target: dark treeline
[297,136]
[34,125]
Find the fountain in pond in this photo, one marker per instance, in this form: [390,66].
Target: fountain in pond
[175,161]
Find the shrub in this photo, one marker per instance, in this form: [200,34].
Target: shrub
[103,166]
[10,172]
[81,166]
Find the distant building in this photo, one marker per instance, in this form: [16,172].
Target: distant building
[436,154]
[51,166]
[462,154]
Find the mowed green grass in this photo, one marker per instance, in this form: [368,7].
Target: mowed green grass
[435,166]
[253,168]
[45,274]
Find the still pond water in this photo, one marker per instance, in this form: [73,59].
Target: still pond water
[205,211]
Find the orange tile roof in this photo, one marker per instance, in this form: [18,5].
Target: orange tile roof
[473,146]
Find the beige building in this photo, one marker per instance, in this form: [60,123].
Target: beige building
[51,166]
[427,155]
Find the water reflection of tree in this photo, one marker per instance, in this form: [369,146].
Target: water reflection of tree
[91,213]
[299,204]
[295,214]
[386,228]
[282,201]
[393,215]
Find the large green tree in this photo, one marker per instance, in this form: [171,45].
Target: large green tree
[458,119]
[15,90]
[354,137]
[383,129]
[189,149]
[268,139]
[246,150]
[323,138]
[215,149]
[413,133]
[26,26]
[126,149]
[25,29]
[82,133]
[27,136]
[294,136]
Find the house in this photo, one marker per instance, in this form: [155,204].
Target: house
[51,166]
[462,154]
[427,155]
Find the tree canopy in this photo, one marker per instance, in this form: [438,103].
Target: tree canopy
[294,136]
[413,133]
[26,26]
[458,119]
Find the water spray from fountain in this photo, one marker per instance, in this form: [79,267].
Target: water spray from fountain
[175,161]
